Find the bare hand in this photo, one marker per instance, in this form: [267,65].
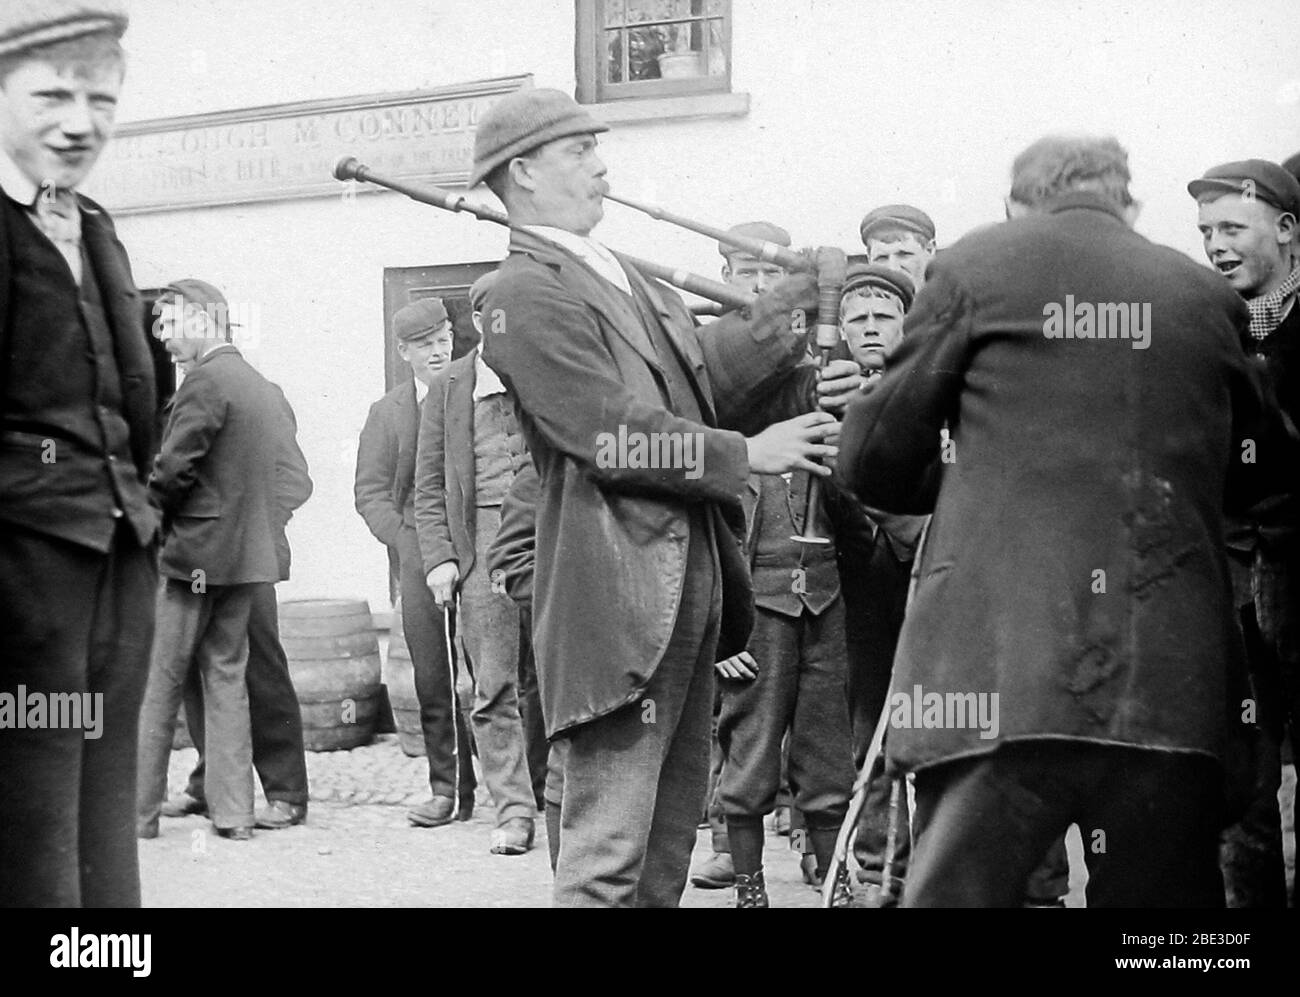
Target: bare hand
[740,666]
[442,582]
[840,380]
[795,444]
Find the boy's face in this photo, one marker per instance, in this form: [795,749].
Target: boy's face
[750,273]
[54,122]
[902,250]
[872,325]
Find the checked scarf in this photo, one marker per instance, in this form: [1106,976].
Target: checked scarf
[1266,310]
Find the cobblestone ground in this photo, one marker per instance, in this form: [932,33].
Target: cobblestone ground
[357,850]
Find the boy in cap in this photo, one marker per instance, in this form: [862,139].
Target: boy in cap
[1247,216]
[637,568]
[77,430]
[470,449]
[385,497]
[901,237]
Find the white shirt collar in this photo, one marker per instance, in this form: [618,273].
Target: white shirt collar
[591,252]
[15,183]
[421,389]
[486,381]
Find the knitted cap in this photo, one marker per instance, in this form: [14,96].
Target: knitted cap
[524,120]
[25,24]
[874,275]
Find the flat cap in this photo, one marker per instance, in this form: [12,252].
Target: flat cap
[873,275]
[524,120]
[479,289]
[418,319]
[197,292]
[756,230]
[896,216]
[25,24]
[1269,182]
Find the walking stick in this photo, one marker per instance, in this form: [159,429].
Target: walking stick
[840,857]
[455,702]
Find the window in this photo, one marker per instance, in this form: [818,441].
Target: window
[652,48]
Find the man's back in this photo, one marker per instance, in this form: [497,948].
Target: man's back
[215,476]
[1074,564]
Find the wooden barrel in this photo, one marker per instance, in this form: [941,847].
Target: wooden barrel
[334,663]
[399,678]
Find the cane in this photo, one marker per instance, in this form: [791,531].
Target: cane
[455,702]
[840,857]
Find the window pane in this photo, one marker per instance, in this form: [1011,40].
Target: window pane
[717,53]
[716,8]
[656,10]
[614,56]
[614,13]
[644,46]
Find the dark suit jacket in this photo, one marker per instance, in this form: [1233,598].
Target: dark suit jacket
[444,469]
[611,541]
[215,478]
[122,306]
[293,485]
[384,489]
[1074,564]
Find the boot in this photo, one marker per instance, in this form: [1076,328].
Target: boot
[751,891]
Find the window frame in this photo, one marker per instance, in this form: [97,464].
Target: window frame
[589,58]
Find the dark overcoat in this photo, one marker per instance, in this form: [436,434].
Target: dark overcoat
[1075,562]
[611,541]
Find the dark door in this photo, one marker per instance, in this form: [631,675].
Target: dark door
[451,283]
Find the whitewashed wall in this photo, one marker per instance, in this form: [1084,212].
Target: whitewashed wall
[853,103]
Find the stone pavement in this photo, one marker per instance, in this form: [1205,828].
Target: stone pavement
[357,850]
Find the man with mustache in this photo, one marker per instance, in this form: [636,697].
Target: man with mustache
[639,581]
[77,432]
[385,498]
[1247,215]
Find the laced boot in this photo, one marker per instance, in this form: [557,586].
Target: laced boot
[751,891]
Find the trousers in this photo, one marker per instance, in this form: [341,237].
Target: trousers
[73,622]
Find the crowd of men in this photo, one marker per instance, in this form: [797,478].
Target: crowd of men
[1031,524]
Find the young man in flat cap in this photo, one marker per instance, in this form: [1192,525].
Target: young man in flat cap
[77,429]
[638,569]
[900,237]
[385,498]
[470,449]
[1071,612]
[216,483]
[1247,216]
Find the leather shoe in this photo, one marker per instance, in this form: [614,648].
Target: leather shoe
[514,837]
[715,873]
[182,805]
[146,830]
[235,833]
[279,814]
[432,813]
